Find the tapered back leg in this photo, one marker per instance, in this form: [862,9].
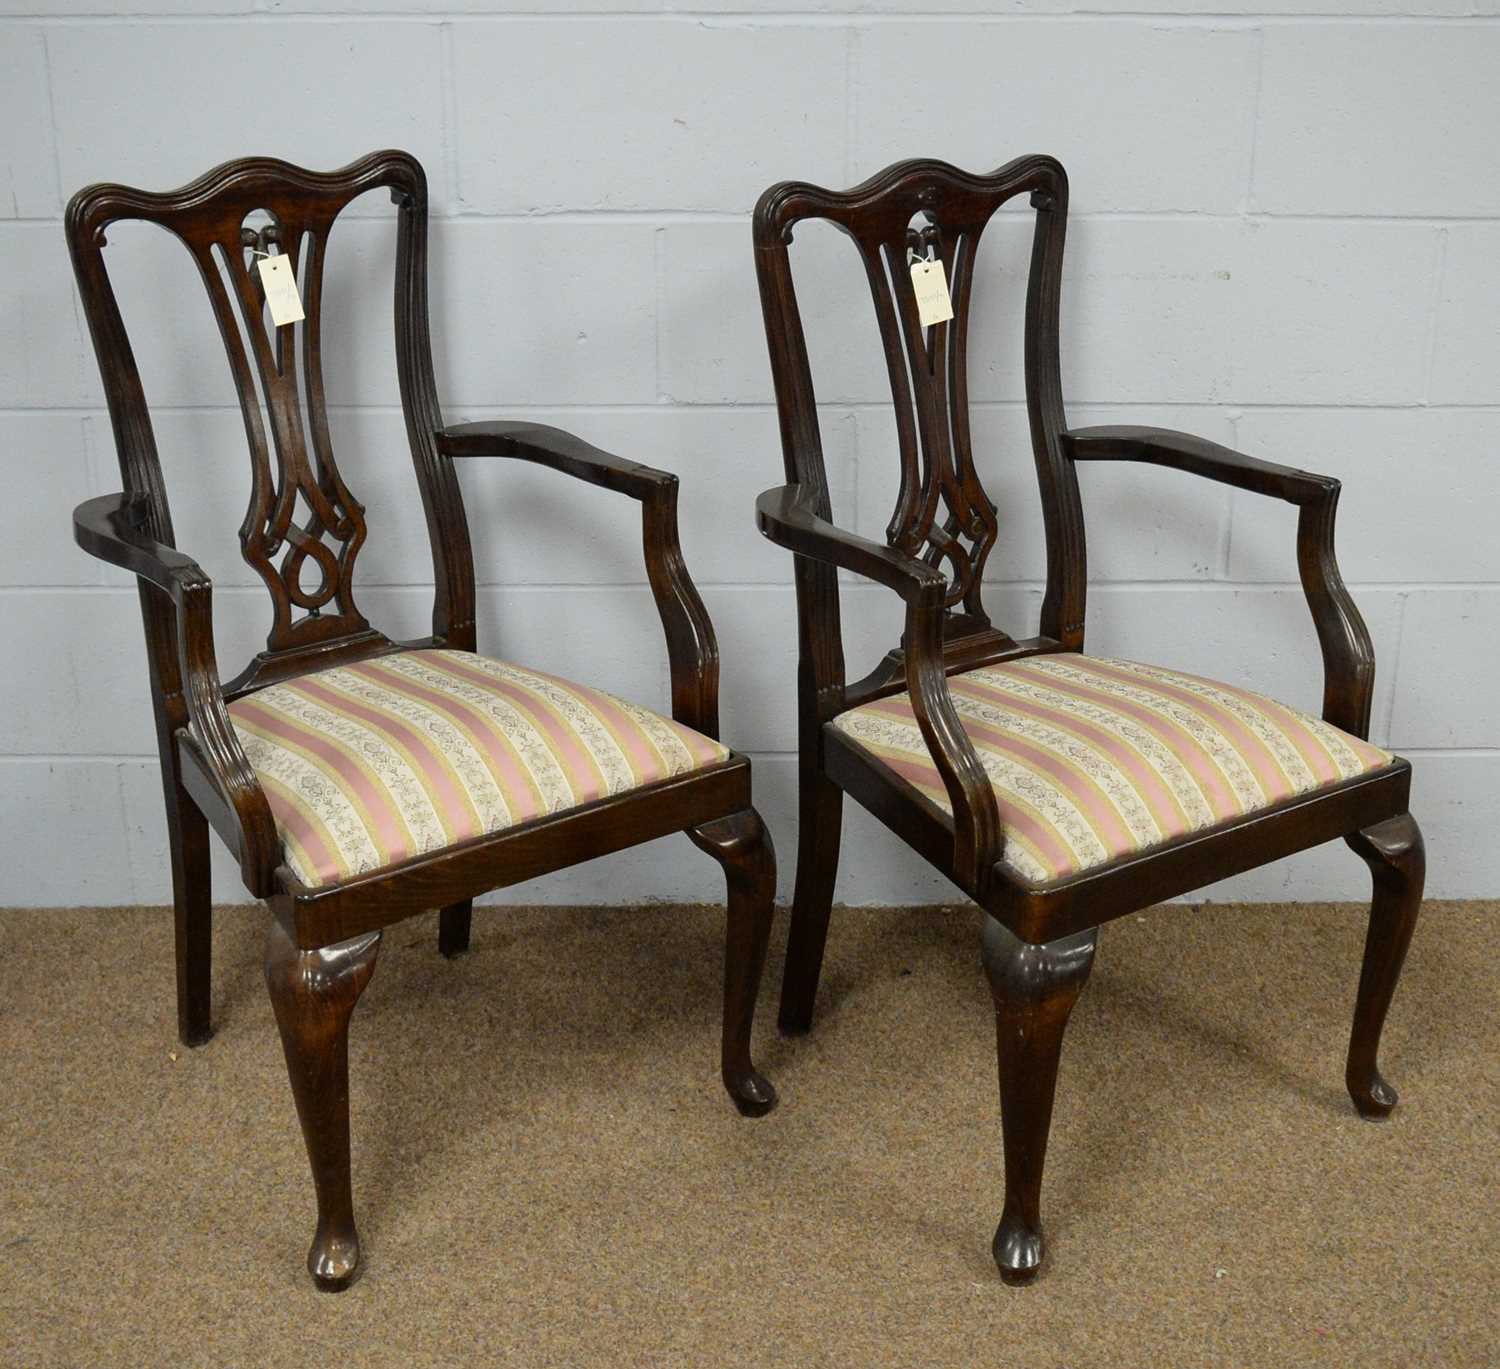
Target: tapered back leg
[453,928]
[192,909]
[1397,858]
[820,816]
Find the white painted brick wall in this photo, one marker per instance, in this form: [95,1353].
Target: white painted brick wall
[1285,236]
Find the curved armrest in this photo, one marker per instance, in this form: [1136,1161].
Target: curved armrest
[1348,656]
[555,448]
[109,527]
[1196,456]
[788,517]
[692,649]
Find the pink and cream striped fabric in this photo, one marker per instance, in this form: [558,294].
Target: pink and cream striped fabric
[1092,759]
[370,764]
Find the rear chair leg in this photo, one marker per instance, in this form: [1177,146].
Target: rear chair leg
[313,993]
[1397,859]
[453,928]
[1034,988]
[187,837]
[820,826]
[741,844]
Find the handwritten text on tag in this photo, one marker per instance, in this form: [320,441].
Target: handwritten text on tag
[280,285]
[931,286]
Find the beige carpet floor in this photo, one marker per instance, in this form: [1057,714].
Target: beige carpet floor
[547,1172]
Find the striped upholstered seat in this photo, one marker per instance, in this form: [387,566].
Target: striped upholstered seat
[371,764]
[1092,759]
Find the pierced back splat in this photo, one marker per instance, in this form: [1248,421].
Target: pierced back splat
[943,515]
[927,371]
[297,510]
[303,529]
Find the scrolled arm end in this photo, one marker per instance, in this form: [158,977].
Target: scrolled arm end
[112,527]
[788,516]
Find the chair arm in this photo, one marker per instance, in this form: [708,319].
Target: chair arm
[1196,456]
[555,448]
[109,527]
[789,519]
[692,649]
[1348,656]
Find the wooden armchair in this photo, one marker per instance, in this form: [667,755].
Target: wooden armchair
[1057,790]
[358,779]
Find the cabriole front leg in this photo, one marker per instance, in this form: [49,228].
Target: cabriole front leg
[741,844]
[313,994]
[1034,988]
[1398,861]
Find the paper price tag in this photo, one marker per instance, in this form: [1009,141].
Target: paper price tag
[280,285]
[930,284]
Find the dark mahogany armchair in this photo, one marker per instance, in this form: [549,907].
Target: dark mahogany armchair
[1057,790]
[360,780]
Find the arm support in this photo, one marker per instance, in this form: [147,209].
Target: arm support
[692,649]
[109,527]
[1348,657]
[789,519]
